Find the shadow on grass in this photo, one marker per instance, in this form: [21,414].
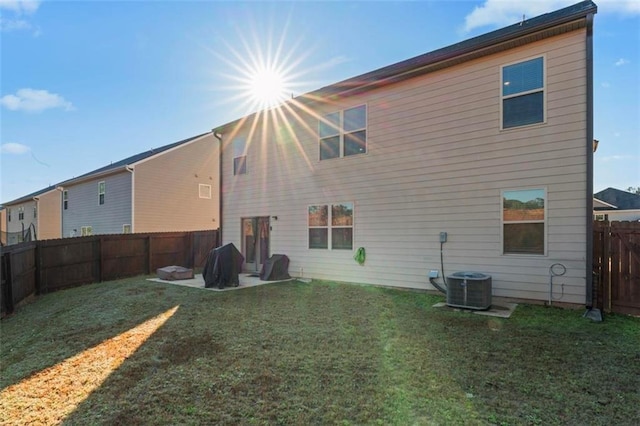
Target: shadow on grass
[59,325]
[331,353]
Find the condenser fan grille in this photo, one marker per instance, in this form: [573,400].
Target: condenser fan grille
[470,290]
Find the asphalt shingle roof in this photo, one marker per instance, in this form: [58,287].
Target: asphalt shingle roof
[623,200]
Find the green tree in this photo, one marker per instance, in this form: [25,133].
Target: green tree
[634,190]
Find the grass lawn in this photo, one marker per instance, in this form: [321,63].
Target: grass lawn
[138,352]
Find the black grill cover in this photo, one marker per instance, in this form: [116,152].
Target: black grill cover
[222,267]
[275,268]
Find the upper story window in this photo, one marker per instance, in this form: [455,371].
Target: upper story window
[204,191]
[523,221]
[343,133]
[239,156]
[523,93]
[101,192]
[85,231]
[65,199]
[331,226]
[8,215]
[35,212]
[20,213]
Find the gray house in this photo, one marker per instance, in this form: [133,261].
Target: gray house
[171,188]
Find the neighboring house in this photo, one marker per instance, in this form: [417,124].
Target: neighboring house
[33,217]
[172,188]
[3,226]
[616,205]
[489,140]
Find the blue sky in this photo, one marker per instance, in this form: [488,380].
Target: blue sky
[85,83]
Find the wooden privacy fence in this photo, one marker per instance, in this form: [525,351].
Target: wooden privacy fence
[49,265]
[616,264]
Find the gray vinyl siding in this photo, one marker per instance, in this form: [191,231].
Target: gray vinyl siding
[84,208]
[436,161]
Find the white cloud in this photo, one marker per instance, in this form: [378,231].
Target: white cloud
[616,158]
[500,13]
[32,100]
[621,62]
[20,6]
[14,148]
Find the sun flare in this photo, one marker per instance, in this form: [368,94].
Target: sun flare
[267,86]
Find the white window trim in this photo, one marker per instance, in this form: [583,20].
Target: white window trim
[102,190]
[329,227]
[86,231]
[65,200]
[546,221]
[544,93]
[124,228]
[341,132]
[206,188]
[244,155]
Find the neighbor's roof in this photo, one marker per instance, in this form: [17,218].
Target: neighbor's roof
[527,31]
[622,200]
[29,197]
[129,161]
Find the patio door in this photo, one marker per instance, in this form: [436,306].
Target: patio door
[255,242]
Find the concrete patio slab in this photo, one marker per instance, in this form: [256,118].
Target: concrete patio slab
[246,280]
[498,309]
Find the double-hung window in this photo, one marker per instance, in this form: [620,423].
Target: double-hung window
[101,192]
[331,225]
[239,156]
[343,133]
[523,93]
[65,199]
[524,221]
[86,231]
[21,213]
[8,215]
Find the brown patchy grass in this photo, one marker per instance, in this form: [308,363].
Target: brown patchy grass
[319,353]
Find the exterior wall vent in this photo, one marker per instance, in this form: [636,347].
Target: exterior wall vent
[469,290]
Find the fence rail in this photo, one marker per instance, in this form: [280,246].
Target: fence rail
[49,265]
[616,262]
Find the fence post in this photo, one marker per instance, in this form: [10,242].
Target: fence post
[7,289]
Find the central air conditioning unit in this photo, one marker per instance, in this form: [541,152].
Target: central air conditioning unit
[470,290]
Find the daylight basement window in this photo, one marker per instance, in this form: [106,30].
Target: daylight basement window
[239,156]
[331,225]
[523,93]
[343,133]
[524,221]
[101,191]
